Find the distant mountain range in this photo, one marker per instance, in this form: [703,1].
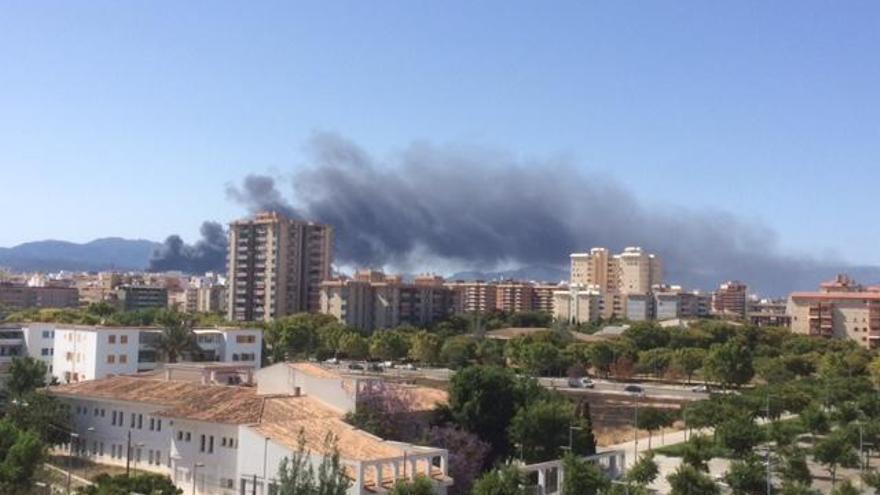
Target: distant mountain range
[100,254]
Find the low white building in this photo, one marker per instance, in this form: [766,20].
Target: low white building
[89,352]
[229,440]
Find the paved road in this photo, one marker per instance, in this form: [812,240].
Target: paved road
[602,386]
[610,387]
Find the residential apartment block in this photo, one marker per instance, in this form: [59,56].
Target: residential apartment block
[578,304]
[372,300]
[473,297]
[730,299]
[633,271]
[215,439]
[138,297]
[841,309]
[18,296]
[276,266]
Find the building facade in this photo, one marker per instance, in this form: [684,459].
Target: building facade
[838,311]
[730,299]
[213,439]
[276,266]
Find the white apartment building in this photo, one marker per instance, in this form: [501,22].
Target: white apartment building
[36,341]
[215,439]
[92,352]
[633,271]
[578,304]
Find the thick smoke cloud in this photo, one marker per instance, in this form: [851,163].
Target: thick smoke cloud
[207,254]
[481,209]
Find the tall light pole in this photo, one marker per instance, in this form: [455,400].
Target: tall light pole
[73,437]
[636,428]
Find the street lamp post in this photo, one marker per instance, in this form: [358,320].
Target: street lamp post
[636,428]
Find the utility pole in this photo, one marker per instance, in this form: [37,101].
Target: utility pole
[254,488]
[636,430]
[767,413]
[128,454]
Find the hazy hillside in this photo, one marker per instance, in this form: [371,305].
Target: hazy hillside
[100,254]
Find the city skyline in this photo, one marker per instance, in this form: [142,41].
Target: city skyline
[733,115]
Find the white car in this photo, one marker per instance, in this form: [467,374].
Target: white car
[701,389]
[587,382]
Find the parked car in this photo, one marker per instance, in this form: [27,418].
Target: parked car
[574,382]
[356,366]
[410,367]
[634,389]
[587,382]
[332,360]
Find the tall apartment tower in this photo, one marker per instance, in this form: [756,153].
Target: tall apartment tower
[638,271]
[597,268]
[276,266]
[634,271]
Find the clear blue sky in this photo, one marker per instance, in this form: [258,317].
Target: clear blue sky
[128,118]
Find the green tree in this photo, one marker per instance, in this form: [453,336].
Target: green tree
[388,345]
[697,452]
[835,451]
[793,468]
[26,374]
[653,419]
[729,364]
[845,488]
[582,477]
[747,477]
[602,356]
[21,454]
[647,335]
[42,414]
[484,400]
[815,420]
[354,346]
[458,352]
[688,360]
[687,480]
[543,427]
[296,475]
[146,483]
[507,480]
[740,435]
[644,471]
[425,348]
[177,336]
[421,485]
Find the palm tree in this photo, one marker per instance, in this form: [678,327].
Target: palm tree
[177,336]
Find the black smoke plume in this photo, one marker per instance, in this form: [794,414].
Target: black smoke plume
[207,254]
[479,209]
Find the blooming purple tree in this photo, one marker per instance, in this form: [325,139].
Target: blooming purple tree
[467,454]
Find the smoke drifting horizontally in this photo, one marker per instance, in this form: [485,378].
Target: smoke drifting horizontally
[479,209]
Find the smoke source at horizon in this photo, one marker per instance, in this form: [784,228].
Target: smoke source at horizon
[480,209]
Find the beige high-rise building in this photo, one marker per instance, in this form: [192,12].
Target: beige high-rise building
[597,268]
[634,271]
[513,296]
[276,266]
[638,271]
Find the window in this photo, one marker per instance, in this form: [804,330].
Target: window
[133,417]
[113,419]
[44,351]
[202,444]
[188,436]
[245,339]
[158,457]
[140,421]
[180,435]
[152,424]
[159,425]
[123,358]
[111,339]
[211,444]
[46,334]
[111,359]
[123,339]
